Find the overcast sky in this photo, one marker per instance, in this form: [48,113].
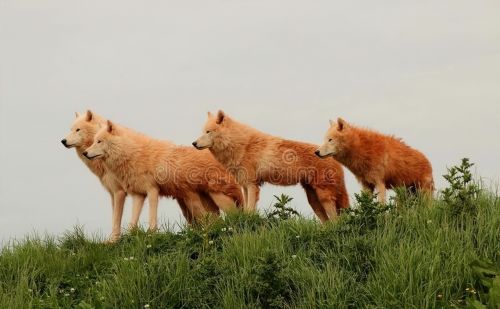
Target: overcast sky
[427,71]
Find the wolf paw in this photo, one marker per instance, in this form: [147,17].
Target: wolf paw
[112,239]
[152,229]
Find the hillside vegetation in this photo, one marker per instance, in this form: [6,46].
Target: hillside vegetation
[413,253]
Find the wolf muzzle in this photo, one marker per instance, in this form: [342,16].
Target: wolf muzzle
[195,144]
[318,153]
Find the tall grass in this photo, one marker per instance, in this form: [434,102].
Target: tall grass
[415,255]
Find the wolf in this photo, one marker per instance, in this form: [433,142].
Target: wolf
[378,161]
[151,168]
[80,137]
[254,158]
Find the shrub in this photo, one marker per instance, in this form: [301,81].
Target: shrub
[364,215]
[462,192]
[281,211]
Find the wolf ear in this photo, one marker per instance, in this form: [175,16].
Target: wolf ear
[341,124]
[220,117]
[77,114]
[209,114]
[89,115]
[331,122]
[110,126]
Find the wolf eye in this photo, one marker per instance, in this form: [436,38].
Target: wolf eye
[208,132]
[99,142]
[330,140]
[77,130]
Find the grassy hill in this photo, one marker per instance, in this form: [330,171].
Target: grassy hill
[418,254]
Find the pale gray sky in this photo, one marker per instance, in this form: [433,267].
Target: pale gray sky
[427,71]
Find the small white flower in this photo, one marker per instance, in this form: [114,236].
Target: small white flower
[298,236]
[223,229]
[429,221]
[72,290]
[294,256]
[146,306]
[211,242]
[230,228]
[66,294]
[125,258]
[131,258]
[149,246]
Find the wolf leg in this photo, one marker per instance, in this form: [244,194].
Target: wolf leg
[185,211]
[312,198]
[327,200]
[223,202]
[138,203]
[381,190]
[366,186]
[245,196]
[209,203]
[153,196]
[119,201]
[195,204]
[253,197]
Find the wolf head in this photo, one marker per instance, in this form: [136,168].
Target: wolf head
[335,139]
[103,143]
[215,131]
[83,130]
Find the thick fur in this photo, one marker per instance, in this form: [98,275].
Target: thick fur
[254,158]
[153,168]
[378,161]
[81,137]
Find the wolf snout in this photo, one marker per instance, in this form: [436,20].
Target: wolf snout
[317,153]
[86,154]
[195,144]
[65,143]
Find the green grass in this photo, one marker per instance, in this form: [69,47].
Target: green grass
[417,255]
[408,260]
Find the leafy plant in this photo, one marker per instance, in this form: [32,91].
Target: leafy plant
[281,211]
[366,212]
[462,192]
